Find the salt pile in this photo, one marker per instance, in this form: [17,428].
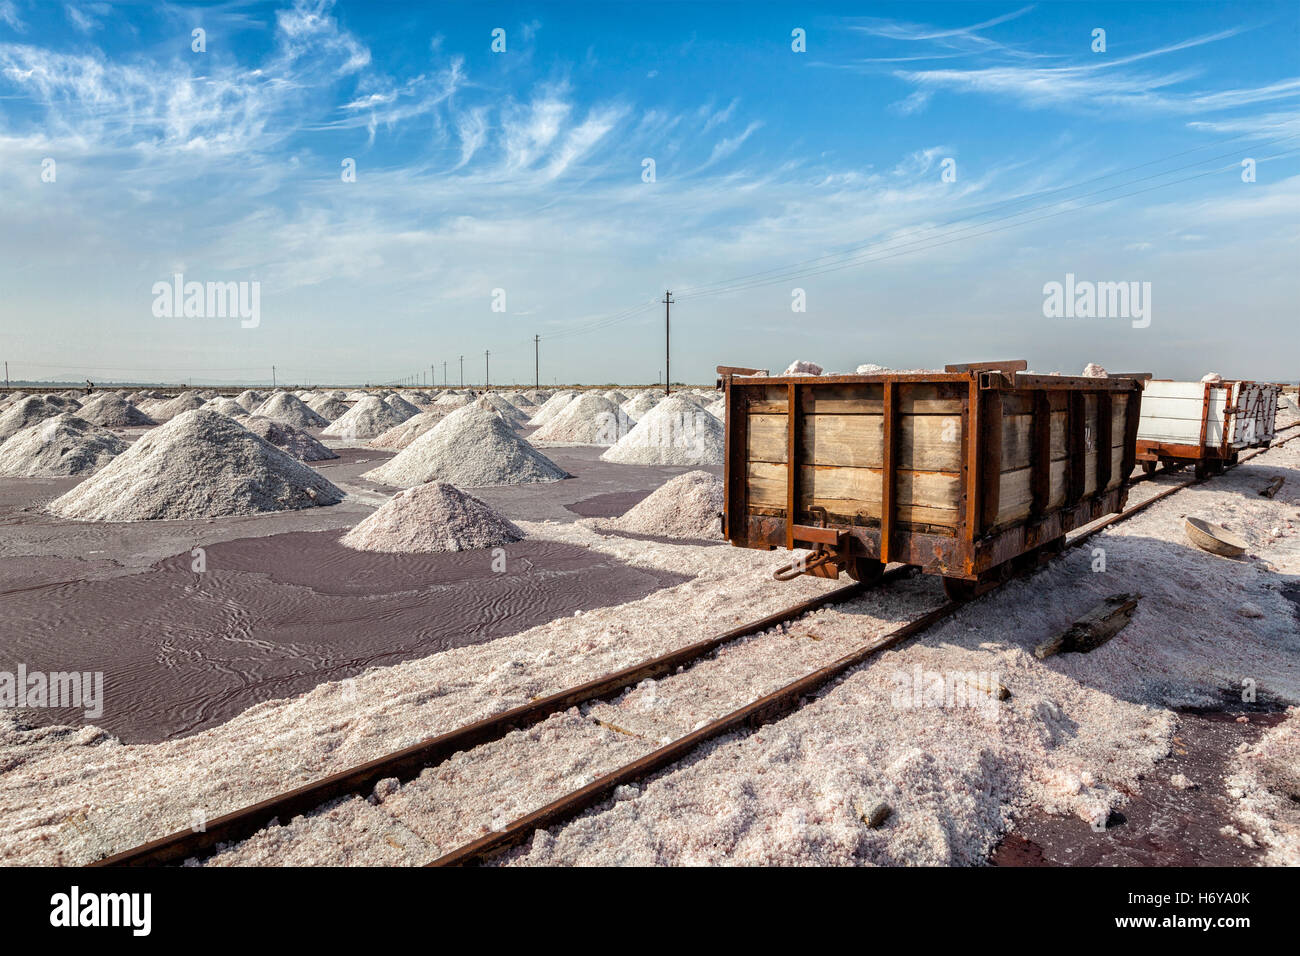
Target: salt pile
[63,402]
[537,396]
[591,419]
[289,410]
[674,432]
[329,407]
[636,407]
[1212,378]
[552,407]
[686,507]
[401,406]
[20,415]
[201,464]
[871,369]
[227,406]
[507,411]
[433,517]
[112,411]
[184,402]
[62,445]
[453,399]
[617,397]
[368,418]
[470,448]
[402,434]
[800,367]
[289,437]
[1093,370]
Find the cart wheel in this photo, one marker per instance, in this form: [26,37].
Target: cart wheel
[959,589]
[1148,467]
[865,570]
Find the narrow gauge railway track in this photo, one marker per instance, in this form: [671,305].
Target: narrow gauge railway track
[406,764]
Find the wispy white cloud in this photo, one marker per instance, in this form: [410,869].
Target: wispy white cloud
[9,15]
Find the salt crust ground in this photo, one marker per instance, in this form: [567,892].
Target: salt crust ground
[1266,782]
[1074,736]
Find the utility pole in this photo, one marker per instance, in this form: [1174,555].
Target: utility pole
[462,371]
[273,376]
[486,378]
[6,376]
[433,378]
[668,375]
[537,346]
[444,374]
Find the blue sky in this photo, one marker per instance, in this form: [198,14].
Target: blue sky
[522,171]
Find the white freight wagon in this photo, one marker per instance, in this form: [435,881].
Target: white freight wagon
[1204,423]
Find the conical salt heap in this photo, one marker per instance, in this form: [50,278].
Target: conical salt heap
[401,435]
[329,407]
[250,398]
[226,406]
[292,439]
[201,464]
[184,402]
[112,411]
[368,418]
[552,407]
[675,432]
[590,419]
[289,409]
[433,517]
[508,410]
[686,507]
[637,406]
[470,448]
[400,405]
[62,445]
[28,411]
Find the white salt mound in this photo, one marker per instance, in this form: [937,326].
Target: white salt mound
[184,402]
[401,406]
[227,406]
[201,464]
[23,413]
[63,403]
[453,400]
[590,419]
[329,407]
[870,369]
[433,517]
[401,435]
[638,405]
[1093,370]
[686,507]
[289,409]
[470,448]
[1214,378]
[62,445]
[507,410]
[289,437]
[800,367]
[552,407]
[112,411]
[368,418]
[675,432]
